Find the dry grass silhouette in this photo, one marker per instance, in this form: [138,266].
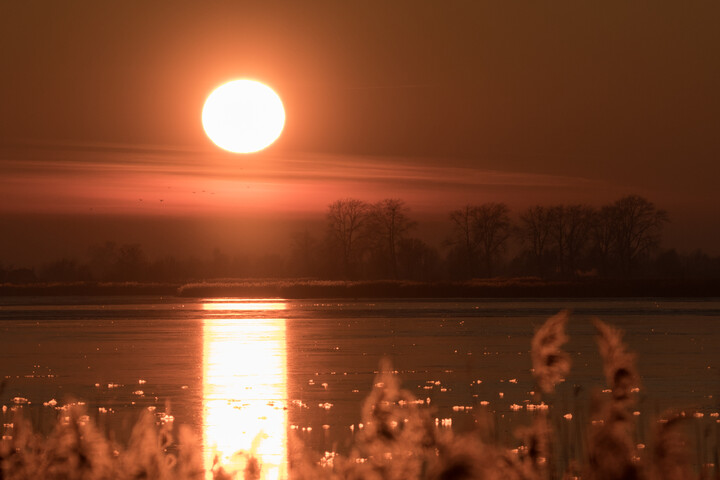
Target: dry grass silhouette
[400,440]
[550,364]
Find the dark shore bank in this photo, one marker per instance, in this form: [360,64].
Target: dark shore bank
[299,289]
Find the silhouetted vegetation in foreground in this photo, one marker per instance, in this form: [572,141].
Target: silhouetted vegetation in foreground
[400,440]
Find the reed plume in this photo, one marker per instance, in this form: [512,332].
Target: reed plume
[612,451]
[619,367]
[612,454]
[535,452]
[550,363]
[671,455]
[397,434]
[21,454]
[467,457]
[550,366]
[76,450]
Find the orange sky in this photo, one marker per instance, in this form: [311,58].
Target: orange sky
[76,179]
[440,104]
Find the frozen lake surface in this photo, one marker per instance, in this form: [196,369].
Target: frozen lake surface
[242,371]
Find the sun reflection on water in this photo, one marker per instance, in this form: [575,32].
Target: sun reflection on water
[245,386]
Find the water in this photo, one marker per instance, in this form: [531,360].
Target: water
[246,373]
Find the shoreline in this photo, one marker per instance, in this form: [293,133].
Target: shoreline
[304,289]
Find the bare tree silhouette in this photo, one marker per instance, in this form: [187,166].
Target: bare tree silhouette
[639,226]
[603,232]
[570,230]
[346,221]
[480,235]
[417,260]
[492,227]
[463,238]
[534,231]
[389,224]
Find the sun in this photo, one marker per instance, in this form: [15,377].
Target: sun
[243,116]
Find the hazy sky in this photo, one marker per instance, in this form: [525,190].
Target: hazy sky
[441,103]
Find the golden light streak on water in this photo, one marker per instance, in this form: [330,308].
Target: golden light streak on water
[245,386]
[240,305]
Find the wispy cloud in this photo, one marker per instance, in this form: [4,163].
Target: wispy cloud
[146,179]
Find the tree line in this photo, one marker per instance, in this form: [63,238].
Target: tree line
[363,240]
[376,240]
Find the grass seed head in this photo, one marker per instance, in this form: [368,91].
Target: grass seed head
[619,367]
[550,363]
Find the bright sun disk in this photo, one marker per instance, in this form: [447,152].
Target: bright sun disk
[243,116]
